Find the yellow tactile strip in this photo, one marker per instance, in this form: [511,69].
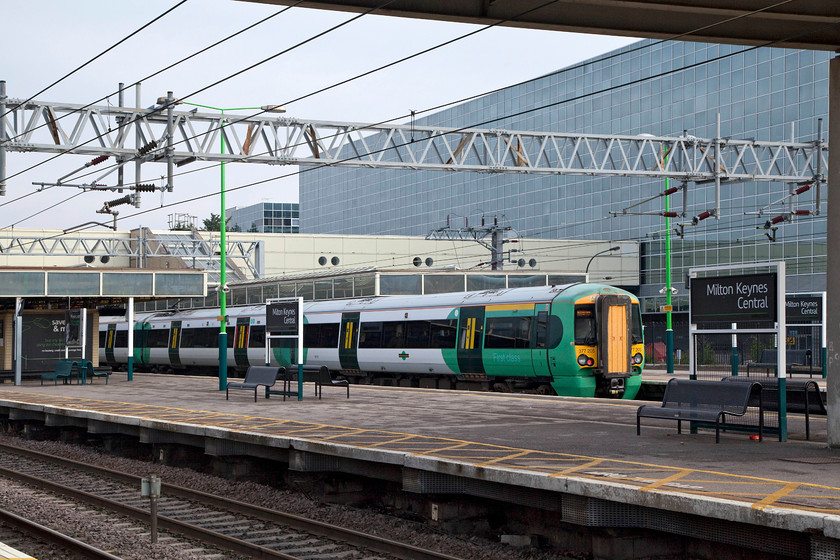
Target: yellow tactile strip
[760,493]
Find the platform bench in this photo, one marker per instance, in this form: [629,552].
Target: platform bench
[798,361]
[255,377]
[319,375]
[704,401]
[63,370]
[801,395]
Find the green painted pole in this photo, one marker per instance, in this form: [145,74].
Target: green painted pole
[222,275]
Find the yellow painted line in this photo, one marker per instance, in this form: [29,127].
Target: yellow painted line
[666,480]
[473,451]
[788,488]
[571,470]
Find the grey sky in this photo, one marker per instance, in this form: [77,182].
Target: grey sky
[45,39]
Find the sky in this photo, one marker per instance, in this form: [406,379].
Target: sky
[46,39]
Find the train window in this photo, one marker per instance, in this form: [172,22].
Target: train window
[207,337]
[157,338]
[585,331]
[507,332]
[121,339]
[636,334]
[320,335]
[370,335]
[555,331]
[443,334]
[188,338]
[541,329]
[393,334]
[256,338]
[417,334]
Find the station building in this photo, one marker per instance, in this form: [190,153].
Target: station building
[675,89]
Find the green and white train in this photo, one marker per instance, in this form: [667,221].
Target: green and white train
[575,340]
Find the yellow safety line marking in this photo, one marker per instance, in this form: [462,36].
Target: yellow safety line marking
[570,470]
[788,488]
[283,428]
[504,458]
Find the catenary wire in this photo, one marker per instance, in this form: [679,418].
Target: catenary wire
[121,41]
[506,116]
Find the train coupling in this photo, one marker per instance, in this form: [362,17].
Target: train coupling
[616,388]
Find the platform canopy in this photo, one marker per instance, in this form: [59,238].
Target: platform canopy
[799,24]
[113,283]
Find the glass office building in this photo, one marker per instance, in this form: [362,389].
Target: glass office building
[660,88]
[265,217]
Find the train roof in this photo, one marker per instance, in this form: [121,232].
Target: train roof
[534,294]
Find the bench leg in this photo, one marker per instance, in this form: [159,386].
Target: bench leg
[348,389]
[679,426]
[227,393]
[255,393]
[638,425]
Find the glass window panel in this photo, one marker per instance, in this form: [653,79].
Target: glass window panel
[121,283]
[22,283]
[443,283]
[343,288]
[178,284]
[364,286]
[324,289]
[485,282]
[304,290]
[72,283]
[394,284]
[524,281]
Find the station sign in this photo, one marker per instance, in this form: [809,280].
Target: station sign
[283,317]
[800,309]
[732,299]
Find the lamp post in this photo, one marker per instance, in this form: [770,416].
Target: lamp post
[223,346]
[616,248]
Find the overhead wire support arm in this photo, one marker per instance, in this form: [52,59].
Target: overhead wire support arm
[295,141]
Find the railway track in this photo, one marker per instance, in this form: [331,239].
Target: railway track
[231,525]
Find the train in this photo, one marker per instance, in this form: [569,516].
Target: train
[580,339]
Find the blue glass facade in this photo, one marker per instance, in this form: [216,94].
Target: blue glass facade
[265,217]
[674,88]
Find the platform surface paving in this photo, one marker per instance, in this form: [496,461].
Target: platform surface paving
[583,446]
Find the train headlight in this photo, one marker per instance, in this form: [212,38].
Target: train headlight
[637,358]
[584,360]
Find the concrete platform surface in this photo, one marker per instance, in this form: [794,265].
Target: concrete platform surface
[581,446]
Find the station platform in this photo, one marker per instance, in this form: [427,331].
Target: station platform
[570,446]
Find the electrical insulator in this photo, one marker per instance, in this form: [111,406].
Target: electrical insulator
[671,214]
[670,191]
[185,161]
[116,202]
[97,160]
[802,212]
[147,148]
[802,189]
[701,217]
[777,219]
[145,187]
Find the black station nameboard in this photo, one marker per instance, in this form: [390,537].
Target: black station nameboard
[730,299]
[803,308]
[282,317]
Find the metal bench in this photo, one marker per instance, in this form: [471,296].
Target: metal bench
[798,361]
[706,402]
[63,370]
[255,377]
[801,395]
[319,375]
[92,372]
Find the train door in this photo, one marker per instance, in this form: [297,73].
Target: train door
[348,338]
[240,341]
[615,337]
[470,337]
[174,343]
[539,341]
[141,344]
[110,338]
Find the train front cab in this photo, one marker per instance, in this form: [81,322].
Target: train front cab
[605,356]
